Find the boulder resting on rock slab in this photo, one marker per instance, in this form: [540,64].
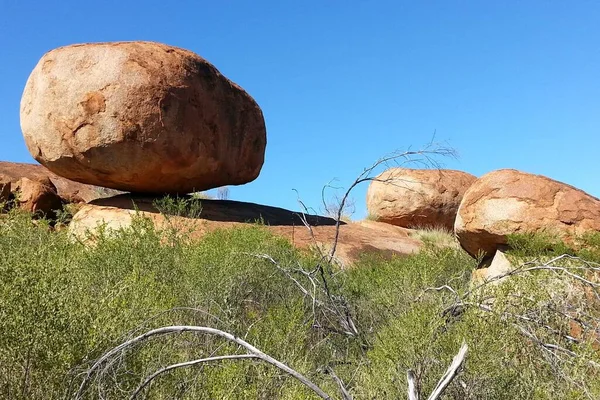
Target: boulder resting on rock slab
[141,117]
[508,201]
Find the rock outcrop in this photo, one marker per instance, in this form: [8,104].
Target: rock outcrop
[68,191]
[415,198]
[355,238]
[141,117]
[37,196]
[508,201]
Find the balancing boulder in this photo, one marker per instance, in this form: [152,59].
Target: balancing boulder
[141,117]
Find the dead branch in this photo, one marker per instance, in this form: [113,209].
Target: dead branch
[188,364]
[413,393]
[555,353]
[115,354]
[425,157]
[450,373]
[345,394]
[202,330]
[320,275]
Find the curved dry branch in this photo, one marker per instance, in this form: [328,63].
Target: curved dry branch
[449,375]
[188,364]
[413,393]
[204,330]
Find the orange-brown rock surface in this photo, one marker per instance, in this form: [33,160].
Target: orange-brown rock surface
[509,201]
[37,196]
[141,116]
[415,198]
[69,191]
[355,238]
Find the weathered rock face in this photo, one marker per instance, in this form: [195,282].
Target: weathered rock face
[69,191]
[355,238]
[416,198]
[142,117]
[37,196]
[508,201]
[33,195]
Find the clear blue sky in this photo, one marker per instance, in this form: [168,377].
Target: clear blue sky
[507,84]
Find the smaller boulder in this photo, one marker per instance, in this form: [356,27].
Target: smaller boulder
[508,201]
[494,268]
[416,198]
[69,191]
[36,196]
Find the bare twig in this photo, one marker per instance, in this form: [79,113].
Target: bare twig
[449,375]
[345,394]
[424,156]
[537,315]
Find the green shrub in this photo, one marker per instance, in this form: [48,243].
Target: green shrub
[63,305]
[530,245]
[189,206]
[437,237]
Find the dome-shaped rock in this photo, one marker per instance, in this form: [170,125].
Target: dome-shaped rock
[415,198]
[141,116]
[508,201]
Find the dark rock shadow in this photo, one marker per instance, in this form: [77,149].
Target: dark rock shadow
[221,210]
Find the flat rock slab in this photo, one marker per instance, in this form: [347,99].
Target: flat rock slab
[355,239]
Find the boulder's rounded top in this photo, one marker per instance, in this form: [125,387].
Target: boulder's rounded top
[141,117]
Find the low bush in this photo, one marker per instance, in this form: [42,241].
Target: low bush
[62,305]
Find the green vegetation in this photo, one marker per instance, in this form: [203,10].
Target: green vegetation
[438,237]
[187,206]
[63,305]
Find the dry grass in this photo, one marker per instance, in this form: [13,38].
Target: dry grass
[372,217]
[437,236]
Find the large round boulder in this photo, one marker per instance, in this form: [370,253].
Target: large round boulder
[415,198]
[142,117]
[508,201]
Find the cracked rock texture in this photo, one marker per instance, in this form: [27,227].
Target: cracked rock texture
[509,201]
[142,117]
[415,198]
